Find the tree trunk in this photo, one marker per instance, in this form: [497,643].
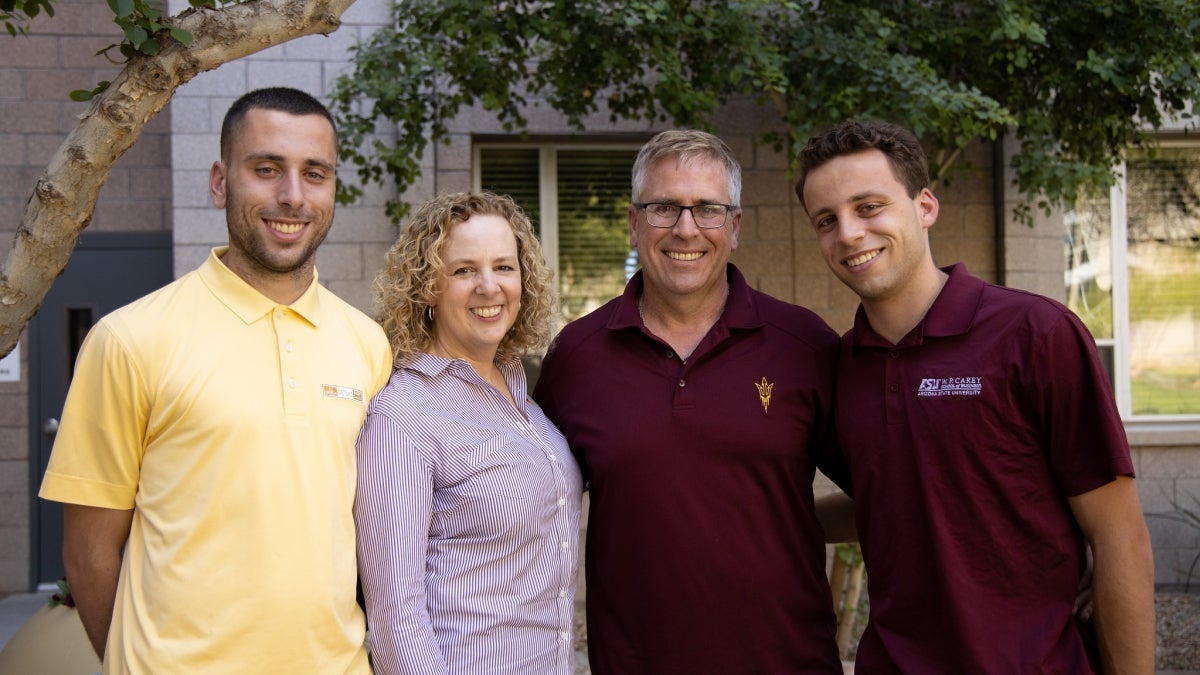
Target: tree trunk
[65,196]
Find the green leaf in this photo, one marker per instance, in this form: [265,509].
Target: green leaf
[182,36]
[136,35]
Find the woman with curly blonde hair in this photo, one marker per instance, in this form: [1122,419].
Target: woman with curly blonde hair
[468,497]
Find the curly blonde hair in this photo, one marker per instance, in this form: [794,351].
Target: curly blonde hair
[407,285]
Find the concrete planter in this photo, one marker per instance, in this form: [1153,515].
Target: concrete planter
[51,642]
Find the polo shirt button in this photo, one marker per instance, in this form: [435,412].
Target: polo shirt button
[292,382]
[894,388]
[279,314]
[895,354]
[670,354]
[682,383]
[287,347]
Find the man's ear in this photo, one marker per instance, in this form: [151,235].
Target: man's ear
[216,184]
[632,227]
[927,208]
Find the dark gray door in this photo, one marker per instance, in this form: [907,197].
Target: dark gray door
[105,272]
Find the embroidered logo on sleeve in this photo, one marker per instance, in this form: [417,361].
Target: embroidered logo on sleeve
[764,393]
[347,393]
[950,386]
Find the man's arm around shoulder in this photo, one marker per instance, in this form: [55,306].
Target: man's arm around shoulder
[93,541]
[1111,519]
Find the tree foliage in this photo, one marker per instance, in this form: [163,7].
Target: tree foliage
[1075,81]
[16,14]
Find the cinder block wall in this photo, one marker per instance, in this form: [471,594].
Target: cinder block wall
[41,69]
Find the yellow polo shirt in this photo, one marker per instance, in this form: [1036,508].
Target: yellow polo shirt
[227,422]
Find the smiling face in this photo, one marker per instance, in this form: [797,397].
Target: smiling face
[277,187]
[479,296]
[684,261]
[873,236]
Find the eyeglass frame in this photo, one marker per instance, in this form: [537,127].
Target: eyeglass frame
[730,208]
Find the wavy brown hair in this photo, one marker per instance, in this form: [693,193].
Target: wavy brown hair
[407,284]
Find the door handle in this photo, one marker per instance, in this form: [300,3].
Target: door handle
[50,426]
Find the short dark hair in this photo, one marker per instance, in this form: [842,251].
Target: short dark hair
[899,145]
[283,99]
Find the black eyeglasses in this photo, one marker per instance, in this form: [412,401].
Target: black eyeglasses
[707,216]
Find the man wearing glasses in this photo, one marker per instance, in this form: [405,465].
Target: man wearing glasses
[698,408]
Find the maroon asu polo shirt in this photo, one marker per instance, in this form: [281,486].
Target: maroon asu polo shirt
[703,552]
[964,442]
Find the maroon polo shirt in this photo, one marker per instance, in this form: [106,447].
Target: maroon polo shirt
[964,441]
[703,551]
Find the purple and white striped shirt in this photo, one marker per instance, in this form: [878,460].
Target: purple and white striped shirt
[468,525]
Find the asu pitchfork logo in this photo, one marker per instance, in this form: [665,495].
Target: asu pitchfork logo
[764,393]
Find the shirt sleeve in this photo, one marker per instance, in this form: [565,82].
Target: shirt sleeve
[97,455]
[392,511]
[546,394]
[1082,428]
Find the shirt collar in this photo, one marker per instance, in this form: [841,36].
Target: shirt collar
[740,311]
[511,368]
[952,312]
[245,301]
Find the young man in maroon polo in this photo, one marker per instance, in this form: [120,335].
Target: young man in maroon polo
[698,408]
[984,444]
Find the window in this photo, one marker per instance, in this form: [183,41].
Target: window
[1133,276]
[578,199]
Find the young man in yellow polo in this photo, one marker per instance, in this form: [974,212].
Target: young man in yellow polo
[206,452]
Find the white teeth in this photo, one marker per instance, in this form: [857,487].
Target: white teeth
[285,228]
[674,255]
[486,312]
[860,259]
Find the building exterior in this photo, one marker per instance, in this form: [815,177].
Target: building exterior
[156,204]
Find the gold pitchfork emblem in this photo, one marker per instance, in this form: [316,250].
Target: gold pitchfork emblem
[764,392]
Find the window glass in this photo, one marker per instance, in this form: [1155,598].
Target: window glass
[1163,261]
[593,227]
[1088,250]
[513,172]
